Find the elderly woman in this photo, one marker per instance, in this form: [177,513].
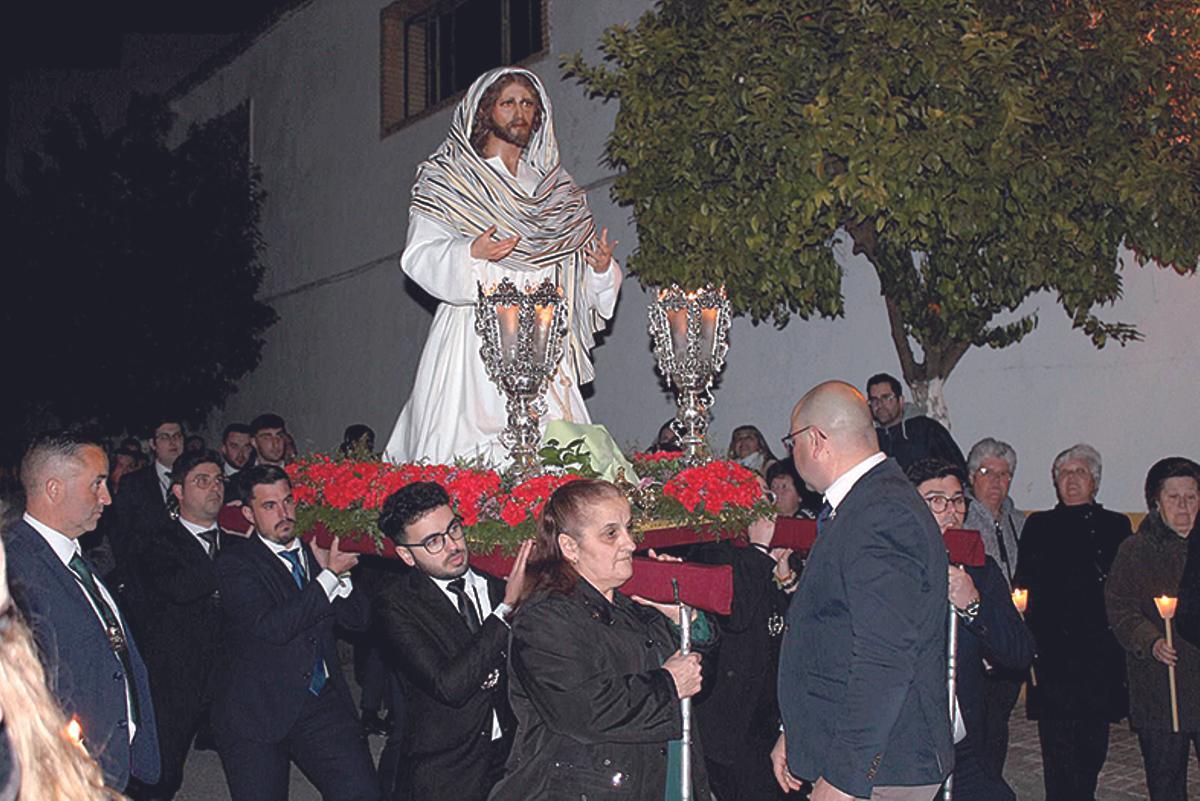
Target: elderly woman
[989,629]
[990,468]
[595,678]
[1064,562]
[748,447]
[1147,566]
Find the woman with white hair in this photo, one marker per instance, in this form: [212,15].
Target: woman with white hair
[1064,560]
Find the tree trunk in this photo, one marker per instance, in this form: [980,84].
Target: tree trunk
[929,396]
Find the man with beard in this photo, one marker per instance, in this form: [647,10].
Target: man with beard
[493,202]
[181,630]
[445,633]
[281,697]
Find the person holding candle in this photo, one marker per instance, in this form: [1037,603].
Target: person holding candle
[1064,560]
[1147,566]
[748,447]
[990,632]
[494,202]
[596,678]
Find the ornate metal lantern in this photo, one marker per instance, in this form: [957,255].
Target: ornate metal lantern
[691,333]
[522,333]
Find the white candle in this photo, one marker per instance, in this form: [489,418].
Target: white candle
[509,318]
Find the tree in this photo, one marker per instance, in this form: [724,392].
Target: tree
[135,268]
[977,151]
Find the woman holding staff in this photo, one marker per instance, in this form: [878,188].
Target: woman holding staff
[1147,566]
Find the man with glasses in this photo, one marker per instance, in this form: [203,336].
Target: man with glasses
[908,441]
[280,696]
[445,634]
[181,626]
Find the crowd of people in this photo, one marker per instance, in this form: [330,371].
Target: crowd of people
[141,613]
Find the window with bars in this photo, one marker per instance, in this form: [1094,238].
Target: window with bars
[431,50]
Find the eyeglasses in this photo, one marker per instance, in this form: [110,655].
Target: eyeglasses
[163,437]
[436,543]
[204,482]
[790,440]
[939,503]
[878,399]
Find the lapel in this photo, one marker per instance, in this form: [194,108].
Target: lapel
[272,567]
[188,544]
[443,614]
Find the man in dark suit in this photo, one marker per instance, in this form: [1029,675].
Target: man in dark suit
[862,673]
[446,636]
[280,695]
[92,665]
[180,631]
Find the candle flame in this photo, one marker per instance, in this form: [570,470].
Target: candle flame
[1020,599]
[1166,606]
[74,732]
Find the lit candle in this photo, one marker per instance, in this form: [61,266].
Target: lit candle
[1020,599]
[543,316]
[509,318]
[708,331]
[677,318]
[1166,606]
[74,732]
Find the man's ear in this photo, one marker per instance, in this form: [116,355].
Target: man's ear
[177,491]
[55,489]
[405,555]
[246,513]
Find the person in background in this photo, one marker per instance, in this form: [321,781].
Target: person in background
[792,497]
[907,441]
[36,760]
[140,509]
[1064,562]
[357,440]
[748,447]
[194,444]
[124,462]
[990,632]
[1147,566]
[237,448]
[666,440]
[991,465]
[270,441]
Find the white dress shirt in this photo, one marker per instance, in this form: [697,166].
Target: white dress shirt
[840,488]
[195,528]
[164,478]
[334,585]
[65,549]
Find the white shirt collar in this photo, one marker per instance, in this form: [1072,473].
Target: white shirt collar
[840,488]
[63,546]
[276,548]
[469,577]
[229,469]
[195,528]
[164,473]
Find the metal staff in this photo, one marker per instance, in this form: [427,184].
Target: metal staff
[951,685]
[685,706]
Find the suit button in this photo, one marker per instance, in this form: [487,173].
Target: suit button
[649,643]
[118,676]
[607,762]
[122,724]
[662,751]
[312,640]
[308,675]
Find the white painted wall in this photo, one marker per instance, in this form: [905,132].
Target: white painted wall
[347,351]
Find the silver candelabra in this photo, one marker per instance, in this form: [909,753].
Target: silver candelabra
[522,333]
[691,337]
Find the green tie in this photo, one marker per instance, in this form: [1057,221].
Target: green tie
[112,627]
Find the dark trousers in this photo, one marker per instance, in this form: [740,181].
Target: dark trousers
[327,745]
[179,716]
[750,778]
[427,778]
[1165,755]
[1073,752]
[972,782]
[1000,692]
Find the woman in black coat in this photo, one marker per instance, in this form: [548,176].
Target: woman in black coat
[595,679]
[1064,561]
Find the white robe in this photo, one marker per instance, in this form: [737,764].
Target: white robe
[455,410]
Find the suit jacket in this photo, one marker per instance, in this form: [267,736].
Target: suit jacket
[84,674]
[181,629]
[862,673]
[453,681]
[274,631]
[139,511]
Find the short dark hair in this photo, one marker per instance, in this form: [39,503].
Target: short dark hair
[258,475]
[481,125]
[51,446]
[784,467]
[1171,467]
[409,504]
[930,469]
[157,422]
[236,428]
[190,460]
[889,379]
[266,420]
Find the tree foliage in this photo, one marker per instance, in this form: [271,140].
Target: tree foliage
[977,151]
[133,269]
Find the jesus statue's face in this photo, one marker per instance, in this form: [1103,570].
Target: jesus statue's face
[513,114]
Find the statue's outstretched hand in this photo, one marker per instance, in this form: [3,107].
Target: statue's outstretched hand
[484,247]
[599,252]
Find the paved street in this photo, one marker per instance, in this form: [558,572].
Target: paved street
[1121,780]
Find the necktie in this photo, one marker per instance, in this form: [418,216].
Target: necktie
[465,608]
[319,673]
[824,517]
[113,628]
[210,537]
